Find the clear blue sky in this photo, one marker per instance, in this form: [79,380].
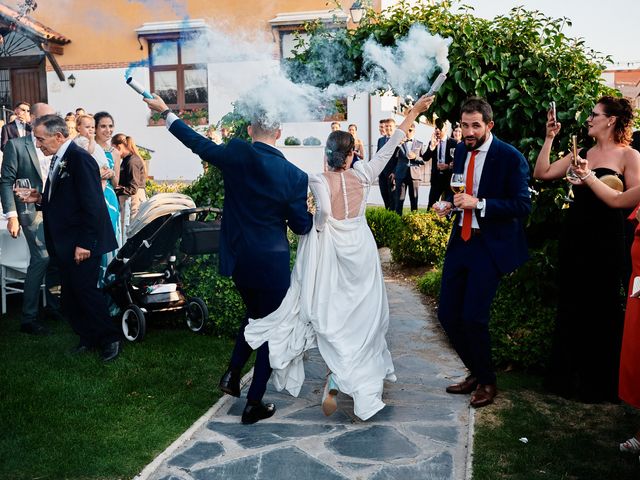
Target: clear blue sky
[610,27]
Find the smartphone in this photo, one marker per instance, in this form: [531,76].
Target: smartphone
[574,149]
[552,109]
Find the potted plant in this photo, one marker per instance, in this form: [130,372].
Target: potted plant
[292,141]
[156,119]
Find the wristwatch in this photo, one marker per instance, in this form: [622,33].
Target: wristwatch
[481,204]
[165,113]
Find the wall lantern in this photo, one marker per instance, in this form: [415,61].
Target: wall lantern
[357,11]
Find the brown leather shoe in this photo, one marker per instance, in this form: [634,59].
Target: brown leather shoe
[469,385]
[483,395]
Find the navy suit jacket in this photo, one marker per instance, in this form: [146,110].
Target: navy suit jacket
[9,131]
[263,193]
[448,157]
[76,215]
[504,185]
[390,167]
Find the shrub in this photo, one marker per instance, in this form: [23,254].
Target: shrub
[201,279]
[429,283]
[422,240]
[311,141]
[152,187]
[384,225]
[292,141]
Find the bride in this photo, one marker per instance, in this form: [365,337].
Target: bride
[337,300]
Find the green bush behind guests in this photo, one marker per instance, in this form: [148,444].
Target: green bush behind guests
[384,225]
[422,239]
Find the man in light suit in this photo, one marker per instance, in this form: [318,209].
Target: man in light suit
[441,163]
[20,127]
[409,154]
[23,160]
[487,241]
[78,232]
[264,194]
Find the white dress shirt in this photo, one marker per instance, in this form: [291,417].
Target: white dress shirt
[477,174]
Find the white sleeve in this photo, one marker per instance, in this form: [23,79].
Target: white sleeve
[323,202]
[372,169]
[171,117]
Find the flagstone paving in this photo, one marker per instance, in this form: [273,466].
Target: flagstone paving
[422,433]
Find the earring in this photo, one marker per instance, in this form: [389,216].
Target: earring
[609,124]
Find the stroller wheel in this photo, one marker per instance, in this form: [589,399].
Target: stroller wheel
[197,314]
[133,323]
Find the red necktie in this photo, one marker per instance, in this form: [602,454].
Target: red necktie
[468,213]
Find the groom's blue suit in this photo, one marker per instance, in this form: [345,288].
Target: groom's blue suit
[472,269]
[263,194]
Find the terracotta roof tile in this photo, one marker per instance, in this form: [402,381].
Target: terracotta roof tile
[34,27]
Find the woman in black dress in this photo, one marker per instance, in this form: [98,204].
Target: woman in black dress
[586,343]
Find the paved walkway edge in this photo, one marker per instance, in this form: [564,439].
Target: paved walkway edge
[182,439]
[471,428]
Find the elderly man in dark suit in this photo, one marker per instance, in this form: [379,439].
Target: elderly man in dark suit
[264,194]
[19,127]
[487,241]
[78,232]
[23,160]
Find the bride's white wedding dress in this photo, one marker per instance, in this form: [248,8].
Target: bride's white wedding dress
[337,299]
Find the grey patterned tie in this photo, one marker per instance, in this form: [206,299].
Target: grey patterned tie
[52,166]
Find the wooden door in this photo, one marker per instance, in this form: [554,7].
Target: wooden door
[28,85]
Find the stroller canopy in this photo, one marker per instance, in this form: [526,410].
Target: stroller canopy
[157,206]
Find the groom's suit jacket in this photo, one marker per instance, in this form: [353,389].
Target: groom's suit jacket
[505,188]
[73,207]
[263,194]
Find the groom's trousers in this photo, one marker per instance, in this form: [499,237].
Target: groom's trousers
[259,303]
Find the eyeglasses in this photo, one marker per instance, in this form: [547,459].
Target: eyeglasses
[593,115]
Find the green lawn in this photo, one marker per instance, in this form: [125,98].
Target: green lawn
[567,440]
[65,416]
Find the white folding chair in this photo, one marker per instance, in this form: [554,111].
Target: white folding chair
[14,261]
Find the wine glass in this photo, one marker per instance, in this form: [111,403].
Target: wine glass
[23,190]
[457,185]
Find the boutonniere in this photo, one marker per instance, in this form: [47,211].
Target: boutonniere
[62,169]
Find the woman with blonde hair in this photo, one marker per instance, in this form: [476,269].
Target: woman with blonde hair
[133,176]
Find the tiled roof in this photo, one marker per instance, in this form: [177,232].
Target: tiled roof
[31,26]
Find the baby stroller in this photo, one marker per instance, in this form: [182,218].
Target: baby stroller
[142,278]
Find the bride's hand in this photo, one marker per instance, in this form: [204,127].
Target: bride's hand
[423,103]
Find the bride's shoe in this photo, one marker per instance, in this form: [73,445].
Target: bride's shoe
[329,401]
[630,446]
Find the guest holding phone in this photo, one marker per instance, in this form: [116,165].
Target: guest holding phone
[629,378]
[586,343]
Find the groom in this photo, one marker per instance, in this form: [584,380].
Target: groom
[264,194]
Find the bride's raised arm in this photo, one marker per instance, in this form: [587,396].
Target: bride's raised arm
[381,158]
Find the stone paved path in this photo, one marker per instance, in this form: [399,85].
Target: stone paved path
[421,434]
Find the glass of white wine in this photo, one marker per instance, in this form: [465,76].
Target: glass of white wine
[457,185]
[23,190]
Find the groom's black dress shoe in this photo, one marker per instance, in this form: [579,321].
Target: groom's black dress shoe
[255,413]
[111,351]
[230,383]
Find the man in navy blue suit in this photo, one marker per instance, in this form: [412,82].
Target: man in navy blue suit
[263,194]
[487,241]
[385,179]
[77,232]
[441,163]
